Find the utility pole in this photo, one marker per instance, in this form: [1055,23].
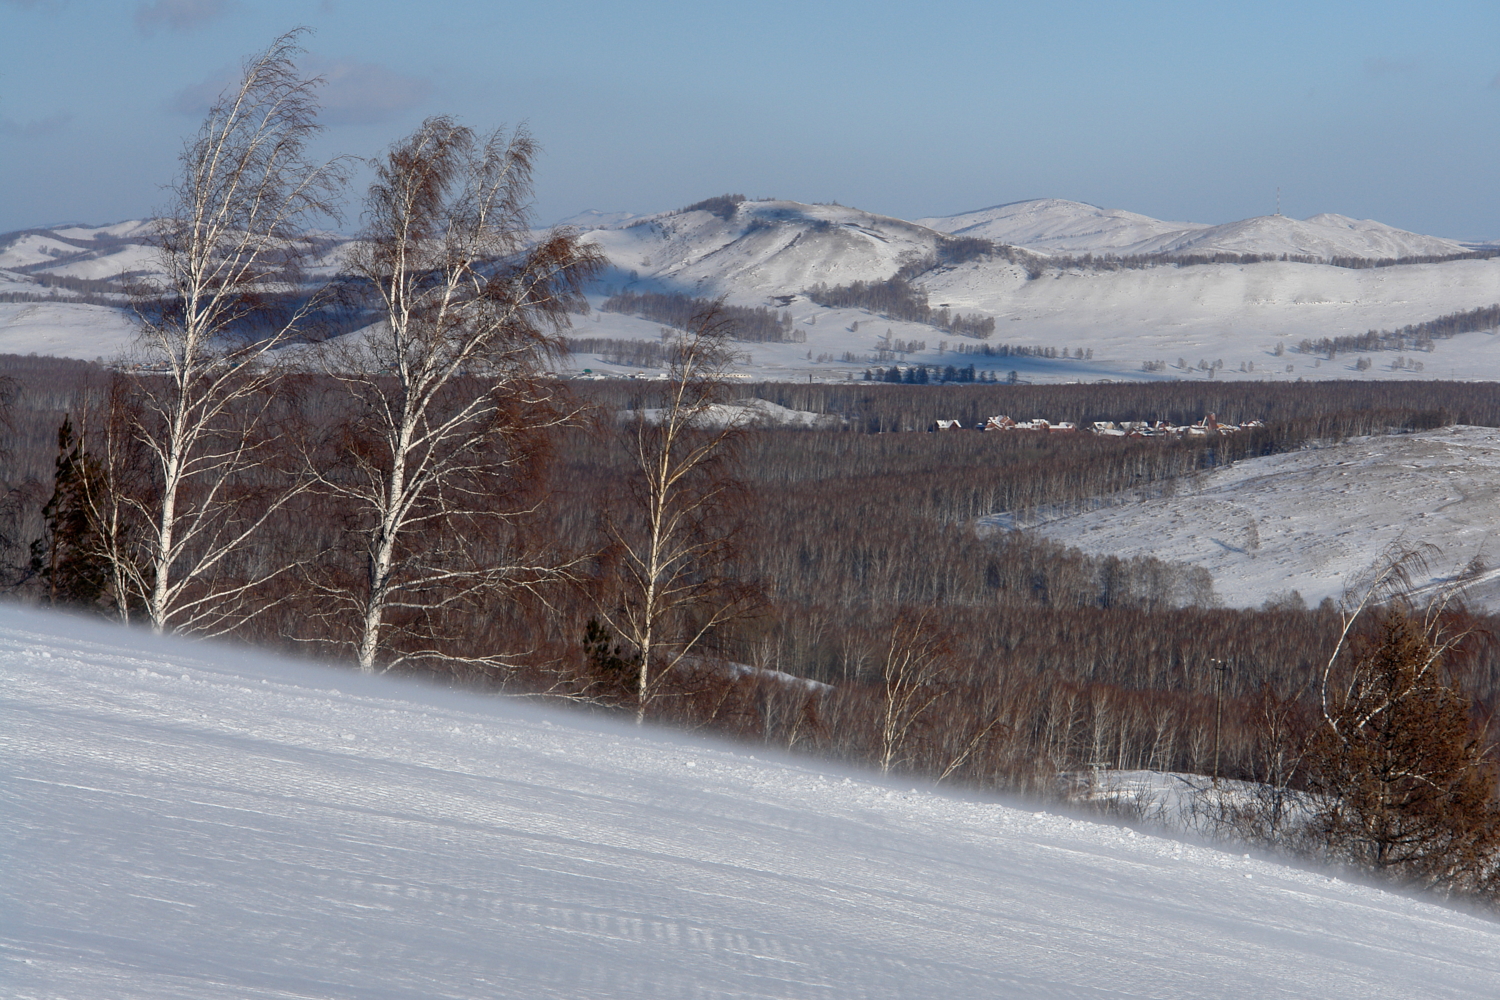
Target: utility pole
[1220,668]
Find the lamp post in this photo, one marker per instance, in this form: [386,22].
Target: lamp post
[1220,668]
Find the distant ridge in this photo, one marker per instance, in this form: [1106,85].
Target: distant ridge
[1053,225]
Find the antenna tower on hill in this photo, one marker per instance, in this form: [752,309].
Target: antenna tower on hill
[1278,201]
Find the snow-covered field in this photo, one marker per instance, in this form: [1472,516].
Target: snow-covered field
[1315,521]
[189,821]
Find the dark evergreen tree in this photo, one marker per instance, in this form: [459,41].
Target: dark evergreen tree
[69,558]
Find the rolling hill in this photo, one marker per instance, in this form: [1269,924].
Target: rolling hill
[1154,319]
[1051,225]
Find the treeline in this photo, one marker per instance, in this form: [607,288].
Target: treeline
[897,298]
[1294,412]
[1019,351]
[928,374]
[53,296]
[961,249]
[618,351]
[1412,337]
[724,205]
[755,324]
[91,291]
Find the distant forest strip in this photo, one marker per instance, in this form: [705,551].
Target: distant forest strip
[753,324]
[1295,412]
[959,250]
[1412,337]
[90,300]
[1110,262]
[897,298]
[90,291]
[618,351]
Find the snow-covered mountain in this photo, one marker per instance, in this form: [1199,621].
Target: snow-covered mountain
[769,253]
[188,821]
[766,253]
[1324,236]
[96,253]
[594,219]
[755,251]
[1051,225]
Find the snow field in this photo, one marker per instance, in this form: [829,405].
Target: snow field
[185,820]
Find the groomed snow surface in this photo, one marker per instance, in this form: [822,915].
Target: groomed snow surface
[187,821]
[1316,521]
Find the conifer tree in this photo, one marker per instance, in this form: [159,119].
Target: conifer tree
[1408,789]
[69,558]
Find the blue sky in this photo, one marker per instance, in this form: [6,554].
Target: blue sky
[1183,111]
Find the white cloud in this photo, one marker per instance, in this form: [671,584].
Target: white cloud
[180,15]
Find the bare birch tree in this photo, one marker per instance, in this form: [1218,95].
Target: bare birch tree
[228,295]
[675,530]
[915,660]
[446,383]
[1403,780]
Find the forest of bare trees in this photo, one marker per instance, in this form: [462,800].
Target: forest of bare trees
[833,596]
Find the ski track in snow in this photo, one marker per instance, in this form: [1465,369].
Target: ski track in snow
[193,821]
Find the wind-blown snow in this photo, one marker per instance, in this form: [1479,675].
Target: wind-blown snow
[1315,521]
[187,821]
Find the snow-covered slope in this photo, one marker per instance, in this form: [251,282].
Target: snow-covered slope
[65,330]
[1318,520]
[97,253]
[592,218]
[763,249]
[765,253]
[1053,225]
[191,822]
[1056,226]
[1322,236]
